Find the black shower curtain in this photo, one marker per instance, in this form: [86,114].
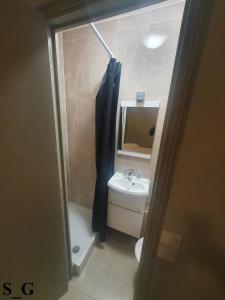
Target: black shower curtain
[105,122]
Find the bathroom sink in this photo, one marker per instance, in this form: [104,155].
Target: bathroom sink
[132,186]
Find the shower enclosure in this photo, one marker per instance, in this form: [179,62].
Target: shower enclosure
[79,137]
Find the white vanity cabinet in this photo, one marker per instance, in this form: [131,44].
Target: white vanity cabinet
[126,204]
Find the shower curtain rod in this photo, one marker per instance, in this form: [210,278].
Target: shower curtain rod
[101,40]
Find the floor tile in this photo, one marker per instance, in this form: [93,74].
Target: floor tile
[76,295]
[73,282]
[111,269]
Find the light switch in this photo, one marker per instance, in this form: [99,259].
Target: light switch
[140,96]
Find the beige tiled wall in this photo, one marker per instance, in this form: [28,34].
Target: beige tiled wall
[85,61]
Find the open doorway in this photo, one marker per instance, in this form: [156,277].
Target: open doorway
[145,43]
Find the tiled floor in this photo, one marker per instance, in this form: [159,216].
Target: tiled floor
[110,272]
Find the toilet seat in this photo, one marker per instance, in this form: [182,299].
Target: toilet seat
[138,249]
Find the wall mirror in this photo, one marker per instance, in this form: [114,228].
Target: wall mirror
[137,130]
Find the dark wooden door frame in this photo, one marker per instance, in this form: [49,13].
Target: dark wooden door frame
[192,37]
[76,12]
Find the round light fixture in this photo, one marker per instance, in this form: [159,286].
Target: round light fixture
[155,39]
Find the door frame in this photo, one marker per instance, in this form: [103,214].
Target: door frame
[190,46]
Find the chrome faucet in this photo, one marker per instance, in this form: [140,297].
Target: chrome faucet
[128,173]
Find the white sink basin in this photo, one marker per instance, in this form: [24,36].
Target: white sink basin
[134,186]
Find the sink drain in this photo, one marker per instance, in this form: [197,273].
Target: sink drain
[76,249]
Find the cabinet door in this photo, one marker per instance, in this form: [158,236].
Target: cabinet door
[124,220]
[32,227]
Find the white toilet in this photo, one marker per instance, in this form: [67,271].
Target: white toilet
[138,249]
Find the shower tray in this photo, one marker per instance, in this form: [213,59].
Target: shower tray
[81,236]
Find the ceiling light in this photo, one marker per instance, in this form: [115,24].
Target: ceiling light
[155,39]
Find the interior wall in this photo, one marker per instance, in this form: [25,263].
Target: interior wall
[85,61]
[33,246]
[197,199]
